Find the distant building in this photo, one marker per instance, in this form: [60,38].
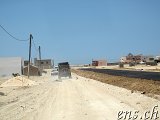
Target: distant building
[132,58]
[150,60]
[99,63]
[26,63]
[157,59]
[9,65]
[33,71]
[124,59]
[44,63]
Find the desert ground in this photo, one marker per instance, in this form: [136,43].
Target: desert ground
[79,98]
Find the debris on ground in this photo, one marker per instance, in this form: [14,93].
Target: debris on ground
[15,74]
[143,92]
[2,94]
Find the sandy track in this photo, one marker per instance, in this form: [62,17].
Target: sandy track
[72,99]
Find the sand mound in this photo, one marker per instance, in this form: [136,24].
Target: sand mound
[18,81]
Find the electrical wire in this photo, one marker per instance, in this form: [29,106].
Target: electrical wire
[36,49]
[12,35]
[34,45]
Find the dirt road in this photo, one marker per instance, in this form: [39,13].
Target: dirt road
[74,99]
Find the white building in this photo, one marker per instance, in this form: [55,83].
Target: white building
[123,59]
[9,65]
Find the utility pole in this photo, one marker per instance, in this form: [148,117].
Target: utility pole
[30,44]
[39,52]
[39,49]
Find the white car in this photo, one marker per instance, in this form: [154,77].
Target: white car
[54,72]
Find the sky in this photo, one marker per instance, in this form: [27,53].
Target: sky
[80,30]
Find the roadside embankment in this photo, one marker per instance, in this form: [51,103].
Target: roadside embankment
[149,87]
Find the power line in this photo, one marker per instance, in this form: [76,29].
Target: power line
[12,35]
[36,49]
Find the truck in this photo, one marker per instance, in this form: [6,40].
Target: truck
[64,70]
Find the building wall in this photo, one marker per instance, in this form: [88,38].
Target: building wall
[26,63]
[129,59]
[102,63]
[44,64]
[99,63]
[123,59]
[94,63]
[157,59]
[34,71]
[9,65]
[150,59]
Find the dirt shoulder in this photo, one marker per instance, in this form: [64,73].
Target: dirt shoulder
[148,87]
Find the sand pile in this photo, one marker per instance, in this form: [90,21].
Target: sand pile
[18,81]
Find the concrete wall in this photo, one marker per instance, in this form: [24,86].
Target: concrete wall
[102,63]
[9,65]
[99,63]
[34,71]
[44,63]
